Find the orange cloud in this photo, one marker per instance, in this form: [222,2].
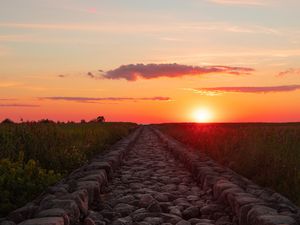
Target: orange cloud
[18,105]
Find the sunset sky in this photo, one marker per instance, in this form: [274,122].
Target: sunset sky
[150,61]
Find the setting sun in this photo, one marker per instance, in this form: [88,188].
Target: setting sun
[202,115]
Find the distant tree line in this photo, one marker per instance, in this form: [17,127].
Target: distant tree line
[99,119]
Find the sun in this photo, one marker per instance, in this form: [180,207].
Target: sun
[202,115]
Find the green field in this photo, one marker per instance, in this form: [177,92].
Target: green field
[36,155]
[268,154]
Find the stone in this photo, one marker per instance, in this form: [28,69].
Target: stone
[191,212]
[175,210]
[55,212]
[95,177]
[126,199]
[192,198]
[169,187]
[173,219]
[165,206]
[7,222]
[196,190]
[109,214]
[69,206]
[82,200]
[92,188]
[222,185]
[89,221]
[123,221]
[204,224]
[224,220]
[124,209]
[141,210]
[22,213]
[100,165]
[175,180]
[44,221]
[229,191]
[183,222]
[211,208]
[257,211]
[195,221]
[144,223]
[137,217]
[96,217]
[154,207]
[183,188]
[146,200]
[136,185]
[236,201]
[153,220]
[276,220]
[161,197]
[180,201]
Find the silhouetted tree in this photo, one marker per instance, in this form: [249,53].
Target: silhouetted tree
[7,121]
[100,119]
[46,121]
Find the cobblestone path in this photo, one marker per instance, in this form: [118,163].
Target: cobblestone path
[151,188]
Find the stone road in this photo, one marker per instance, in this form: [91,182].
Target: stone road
[151,188]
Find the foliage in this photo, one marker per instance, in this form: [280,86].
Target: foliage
[20,182]
[269,154]
[34,155]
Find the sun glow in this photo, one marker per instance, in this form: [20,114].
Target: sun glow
[202,115]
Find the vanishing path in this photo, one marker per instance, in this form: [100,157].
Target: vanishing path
[151,187]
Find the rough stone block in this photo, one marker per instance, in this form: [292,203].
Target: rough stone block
[44,221]
[22,213]
[276,220]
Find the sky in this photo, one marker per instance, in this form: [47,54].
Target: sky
[150,61]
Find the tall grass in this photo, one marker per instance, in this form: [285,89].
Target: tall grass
[269,154]
[35,155]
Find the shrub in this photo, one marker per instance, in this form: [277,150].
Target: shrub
[20,182]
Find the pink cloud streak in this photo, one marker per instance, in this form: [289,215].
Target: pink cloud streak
[260,90]
[94,100]
[289,71]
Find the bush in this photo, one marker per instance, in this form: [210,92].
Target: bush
[20,182]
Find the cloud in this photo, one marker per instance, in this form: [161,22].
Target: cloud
[96,100]
[9,84]
[62,75]
[126,28]
[213,91]
[19,105]
[8,99]
[288,71]
[132,72]
[241,2]
[91,75]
